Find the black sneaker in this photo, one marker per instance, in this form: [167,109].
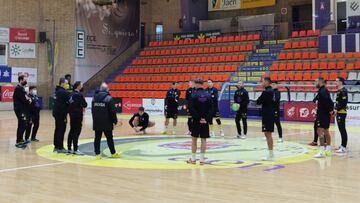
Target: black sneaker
[26,142]
[35,140]
[20,145]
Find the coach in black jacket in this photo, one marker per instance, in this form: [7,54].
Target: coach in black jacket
[77,104]
[61,104]
[21,108]
[104,119]
[241,97]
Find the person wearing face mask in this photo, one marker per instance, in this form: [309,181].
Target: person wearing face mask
[21,107]
[61,104]
[77,104]
[34,115]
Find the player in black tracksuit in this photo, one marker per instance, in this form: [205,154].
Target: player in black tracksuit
[60,111]
[216,114]
[267,100]
[189,93]
[341,112]
[104,119]
[241,97]
[325,107]
[21,108]
[140,121]
[171,106]
[34,113]
[277,96]
[200,107]
[77,103]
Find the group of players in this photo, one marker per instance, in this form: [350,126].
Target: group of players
[202,107]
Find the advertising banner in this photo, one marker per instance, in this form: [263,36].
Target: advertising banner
[5,74]
[130,106]
[104,30]
[353,115]
[30,73]
[7,93]
[244,4]
[322,13]
[22,50]
[220,5]
[305,111]
[154,106]
[197,35]
[4,35]
[353,14]
[22,35]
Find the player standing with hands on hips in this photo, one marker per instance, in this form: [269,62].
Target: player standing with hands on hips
[267,102]
[241,97]
[200,107]
[104,119]
[171,107]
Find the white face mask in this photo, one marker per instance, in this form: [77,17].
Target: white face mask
[34,92]
[27,90]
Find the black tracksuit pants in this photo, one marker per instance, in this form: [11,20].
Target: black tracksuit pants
[33,126]
[60,128]
[341,120]
[75,131]
[22,125]
[109,139]
[241,115]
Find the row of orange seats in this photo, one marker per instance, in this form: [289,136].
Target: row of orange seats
[140,94]
[170,78]
[190,60]
[182,69]
[225,39]
[301,45]
[307,76]
[197,50]
[151,86]
[305,33]
[315,66]
[316,55]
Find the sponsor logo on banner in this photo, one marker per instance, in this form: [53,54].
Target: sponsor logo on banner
[22,50]
[353,115]
[218,5]
[197,35]
[300,111]
[4,35]
[5,74]
[154,106]
[7,93]
[22,35]
[131,106]
[30,73]
[80,44]
[244,4]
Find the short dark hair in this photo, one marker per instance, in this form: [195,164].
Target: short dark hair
[199,81]
[268,79]
[61,81]
[210,80]
[341,79]
[174,83]
[32,87]
[21,77]
[76,85]
[322,79]
[67,75]
[141,109]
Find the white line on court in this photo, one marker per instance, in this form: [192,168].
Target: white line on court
[29,167]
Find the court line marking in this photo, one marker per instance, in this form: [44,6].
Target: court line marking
[30,167]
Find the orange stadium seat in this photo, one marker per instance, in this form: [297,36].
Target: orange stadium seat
[295,34]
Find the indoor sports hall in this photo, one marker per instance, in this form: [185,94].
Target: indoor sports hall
[179,101]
